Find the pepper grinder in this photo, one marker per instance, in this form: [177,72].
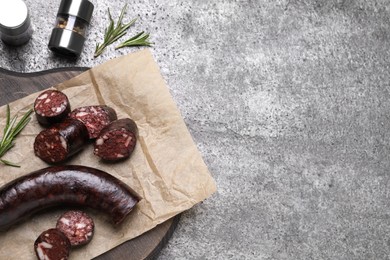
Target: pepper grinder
[15,25]
[68,35]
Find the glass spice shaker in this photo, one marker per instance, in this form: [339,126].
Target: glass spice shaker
[68,35]
[15,25]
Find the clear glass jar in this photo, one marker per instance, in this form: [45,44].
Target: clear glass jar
[72,23]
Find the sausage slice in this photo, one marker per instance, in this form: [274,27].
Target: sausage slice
[51,106]
[52,244]
[95,118]
[77,226]
[117,140]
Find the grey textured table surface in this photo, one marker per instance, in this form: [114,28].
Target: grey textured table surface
[289,104]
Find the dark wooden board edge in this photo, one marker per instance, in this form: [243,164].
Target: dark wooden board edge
[42,72]
[158,236]
[15,85]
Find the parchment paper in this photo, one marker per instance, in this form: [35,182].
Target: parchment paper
[166,168]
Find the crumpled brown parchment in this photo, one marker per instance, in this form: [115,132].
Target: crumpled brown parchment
[166,168]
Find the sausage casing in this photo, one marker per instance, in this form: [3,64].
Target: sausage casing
[65,185]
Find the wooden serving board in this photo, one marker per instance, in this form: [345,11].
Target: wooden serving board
[13,86]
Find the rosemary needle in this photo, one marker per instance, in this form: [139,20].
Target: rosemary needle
[10,132]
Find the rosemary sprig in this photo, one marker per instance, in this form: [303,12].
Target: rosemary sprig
[140,39]
[10,132]
[113,32]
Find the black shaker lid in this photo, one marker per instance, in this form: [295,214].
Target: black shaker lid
[80,8]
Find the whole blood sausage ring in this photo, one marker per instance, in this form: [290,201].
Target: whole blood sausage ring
[68,184]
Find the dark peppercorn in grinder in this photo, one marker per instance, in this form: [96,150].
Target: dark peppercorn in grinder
[68,35]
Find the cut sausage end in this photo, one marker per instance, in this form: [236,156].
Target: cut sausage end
[115,146]
[117,140]
[60,141]
[50,146]
[77,226]
[51,106]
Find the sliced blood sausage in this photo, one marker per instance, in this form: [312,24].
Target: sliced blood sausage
[65,185]
[77,226]
[52,244]
[60,141]
[95,118]
[51,107]
[117,140]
